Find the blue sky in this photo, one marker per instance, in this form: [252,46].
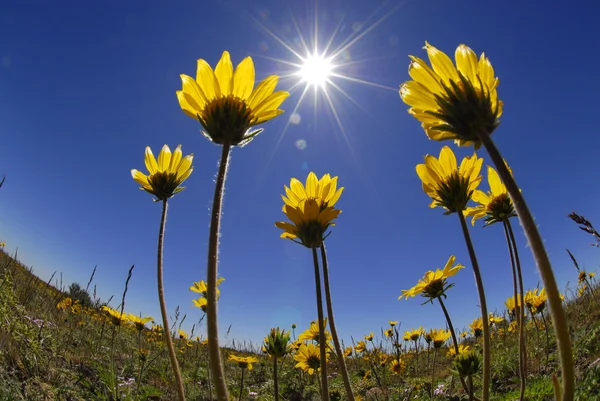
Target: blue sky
[84,88]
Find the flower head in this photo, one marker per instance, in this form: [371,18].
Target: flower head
[397,366]
[433,284]
[477,327]
[439,337]
[450,186]
[393,322]
[166,175]
[369,337]
[139,322]
[511,305]
[414,334]
[453,102]
[310,209]
[312,333]
[244,362]
[277,343]
[226,102]
[200,287]
[360,346]
[116,317]
[308,358]
[495,206]
[467,363]
[389,332]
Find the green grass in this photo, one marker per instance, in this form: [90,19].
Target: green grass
[77,354]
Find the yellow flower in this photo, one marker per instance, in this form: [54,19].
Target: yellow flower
[226,102]
[510,304]
[139,322]
[367,375]
[397,366]
[495,319]
[166,175]
[244,362]
[393,322]
[414,334]
[477,327]
[277,343]
[201,288]
[389,332]
[439,337]
[348,352]
[496,206]
[537,302]
[312,333]
[461,350]
[308,358]
[182,334]
[450,186]
[360,346]
[310,209]
[201,303]
[117,318]
[369,337]
[433,284]
[457,103]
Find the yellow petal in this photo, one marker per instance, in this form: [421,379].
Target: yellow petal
[266,116]
[264,89]
[298,188]
[150,161]
[205,77]
[436,170]
[270,103]
[164,159]
[243,79]
[448,160]
[496,185]
[418,96]
[175,159]
[188,106]
[466,62]
[139,177]
[311,185]
[185,165]
[423,74]
[224,74]
[194,93]
[481,197]
[486,72]
[441,64]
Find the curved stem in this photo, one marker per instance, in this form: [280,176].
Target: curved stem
[470,382]
[547,336]
[454,340]
[163,305]
[322,339]
[336,342]
[561,326]
[433,370]
[275,378]
[216,364]
[519,301]
[484,312]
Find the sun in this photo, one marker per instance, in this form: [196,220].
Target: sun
[316,70]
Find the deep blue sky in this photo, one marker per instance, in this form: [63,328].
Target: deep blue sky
[85,86]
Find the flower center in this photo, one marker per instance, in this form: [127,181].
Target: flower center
[313,362]
[226,119]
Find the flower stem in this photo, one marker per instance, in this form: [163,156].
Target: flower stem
[484,312]
[470,383]
[336,342]
[454,340]
[561,327]
[275,378]
[216,364]
[241,384]
[163,305]
[519,305]
[322,339]
[433,370]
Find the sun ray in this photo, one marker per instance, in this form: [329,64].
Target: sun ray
[362,81]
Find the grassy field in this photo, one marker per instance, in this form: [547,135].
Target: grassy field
[60,344]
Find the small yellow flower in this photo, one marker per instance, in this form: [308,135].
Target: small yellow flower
[200,287]
[397,366]
[461,350]
[449,185]
[360,346]
[308,358]
[201,303]
[495,206]
[510,304]
[312,333]
[369,337]
[117,318]
[439,337]
[393,322]
[226,102]
[244,362]
[389,332]
[453,102]
[348,352]
[495,319]
[414,334]
[139,322]
[477,327]
[433,284]
[166,175]
[277,343]
[310,209]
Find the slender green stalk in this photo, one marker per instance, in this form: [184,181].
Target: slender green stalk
[163,305]
[484,311]
[214,352]
[561,326]
[241,385]
[518,312]
[336,342]
[470,383]
[275,378]
[322,339]
[547,336]
[417,357]
[454,340]
[433,371]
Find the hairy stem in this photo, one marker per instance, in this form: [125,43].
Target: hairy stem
[216,364]
[561,326]
[336,342]
[163,305]
[483,305]
[322,339]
